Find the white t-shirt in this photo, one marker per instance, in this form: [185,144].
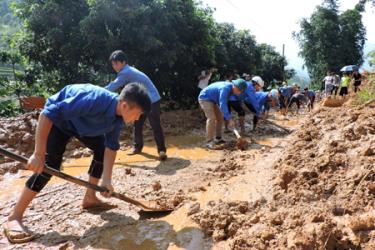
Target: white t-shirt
[203,82]
[329,80]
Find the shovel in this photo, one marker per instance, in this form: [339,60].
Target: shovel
[241,142]
[276,125]
[147,206]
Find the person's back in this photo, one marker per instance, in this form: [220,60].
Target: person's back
[69,114]
[130,74]
[214,91]
[345,81]
[286,91]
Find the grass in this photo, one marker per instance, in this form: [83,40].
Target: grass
[367,93]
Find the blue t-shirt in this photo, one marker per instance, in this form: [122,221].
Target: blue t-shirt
[86,110]
[218,93]
[286,91]
[250,91]
[310,93]
[130,74]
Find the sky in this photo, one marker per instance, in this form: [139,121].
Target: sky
[273,21]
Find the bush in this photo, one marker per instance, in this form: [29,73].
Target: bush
[367,93]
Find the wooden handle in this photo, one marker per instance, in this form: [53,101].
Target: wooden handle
[54,172]
[236,133]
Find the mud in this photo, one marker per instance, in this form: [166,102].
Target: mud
[322,190]
[312,189]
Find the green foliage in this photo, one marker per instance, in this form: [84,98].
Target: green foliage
[329,40]
[9,108]
[9,24]
[69,41]
[366,94]
[371,57]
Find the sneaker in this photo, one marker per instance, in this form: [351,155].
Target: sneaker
[162,156]
[135,151]
[219,140]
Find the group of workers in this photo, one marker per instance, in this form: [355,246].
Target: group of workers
[218,99]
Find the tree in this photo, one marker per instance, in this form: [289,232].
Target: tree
[271,66]
[329,41]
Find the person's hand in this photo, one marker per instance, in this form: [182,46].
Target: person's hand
[35,163]
[109,187]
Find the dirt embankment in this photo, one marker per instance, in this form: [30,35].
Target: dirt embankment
[323,190]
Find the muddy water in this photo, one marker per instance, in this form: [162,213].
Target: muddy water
[175,231]
[185,147]
[172,232]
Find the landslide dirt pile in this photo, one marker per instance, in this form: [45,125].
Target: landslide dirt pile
[17,135]
[323,190]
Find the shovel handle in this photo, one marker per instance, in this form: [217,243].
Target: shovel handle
[236,133]
[54,172]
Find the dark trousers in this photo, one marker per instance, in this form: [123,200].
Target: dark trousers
[294,99]
[154,119]
[237,106]
[56,144]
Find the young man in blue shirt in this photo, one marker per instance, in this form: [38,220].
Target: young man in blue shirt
[95,117]
[214,102]
[285,93]
[310,95]
[125,75]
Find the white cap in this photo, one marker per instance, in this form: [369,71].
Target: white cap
[258,80]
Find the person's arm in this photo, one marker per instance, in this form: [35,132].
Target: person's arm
[111,146]
[120,81]
[223,105]
[36,161]
[108,162]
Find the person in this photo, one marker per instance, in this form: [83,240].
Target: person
[310,96]
[329,81]
[204,77]
[127,74]
[335,84]
[298,98]
[264,101]
[357,80]
[258,83]
[95,117]
[285,93]
[214,102]
[257,101]
[345,82]
[235,102]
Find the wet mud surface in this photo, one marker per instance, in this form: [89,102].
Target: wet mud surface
[311,189]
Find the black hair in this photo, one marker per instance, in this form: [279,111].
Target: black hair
[136,93]
[118,55]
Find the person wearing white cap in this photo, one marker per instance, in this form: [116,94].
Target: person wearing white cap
[258,83]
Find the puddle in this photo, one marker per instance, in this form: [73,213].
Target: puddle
[157,234]
[186,147]
[268,142]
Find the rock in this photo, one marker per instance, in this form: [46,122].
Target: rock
[128,171]
[194,208]
[156,186]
